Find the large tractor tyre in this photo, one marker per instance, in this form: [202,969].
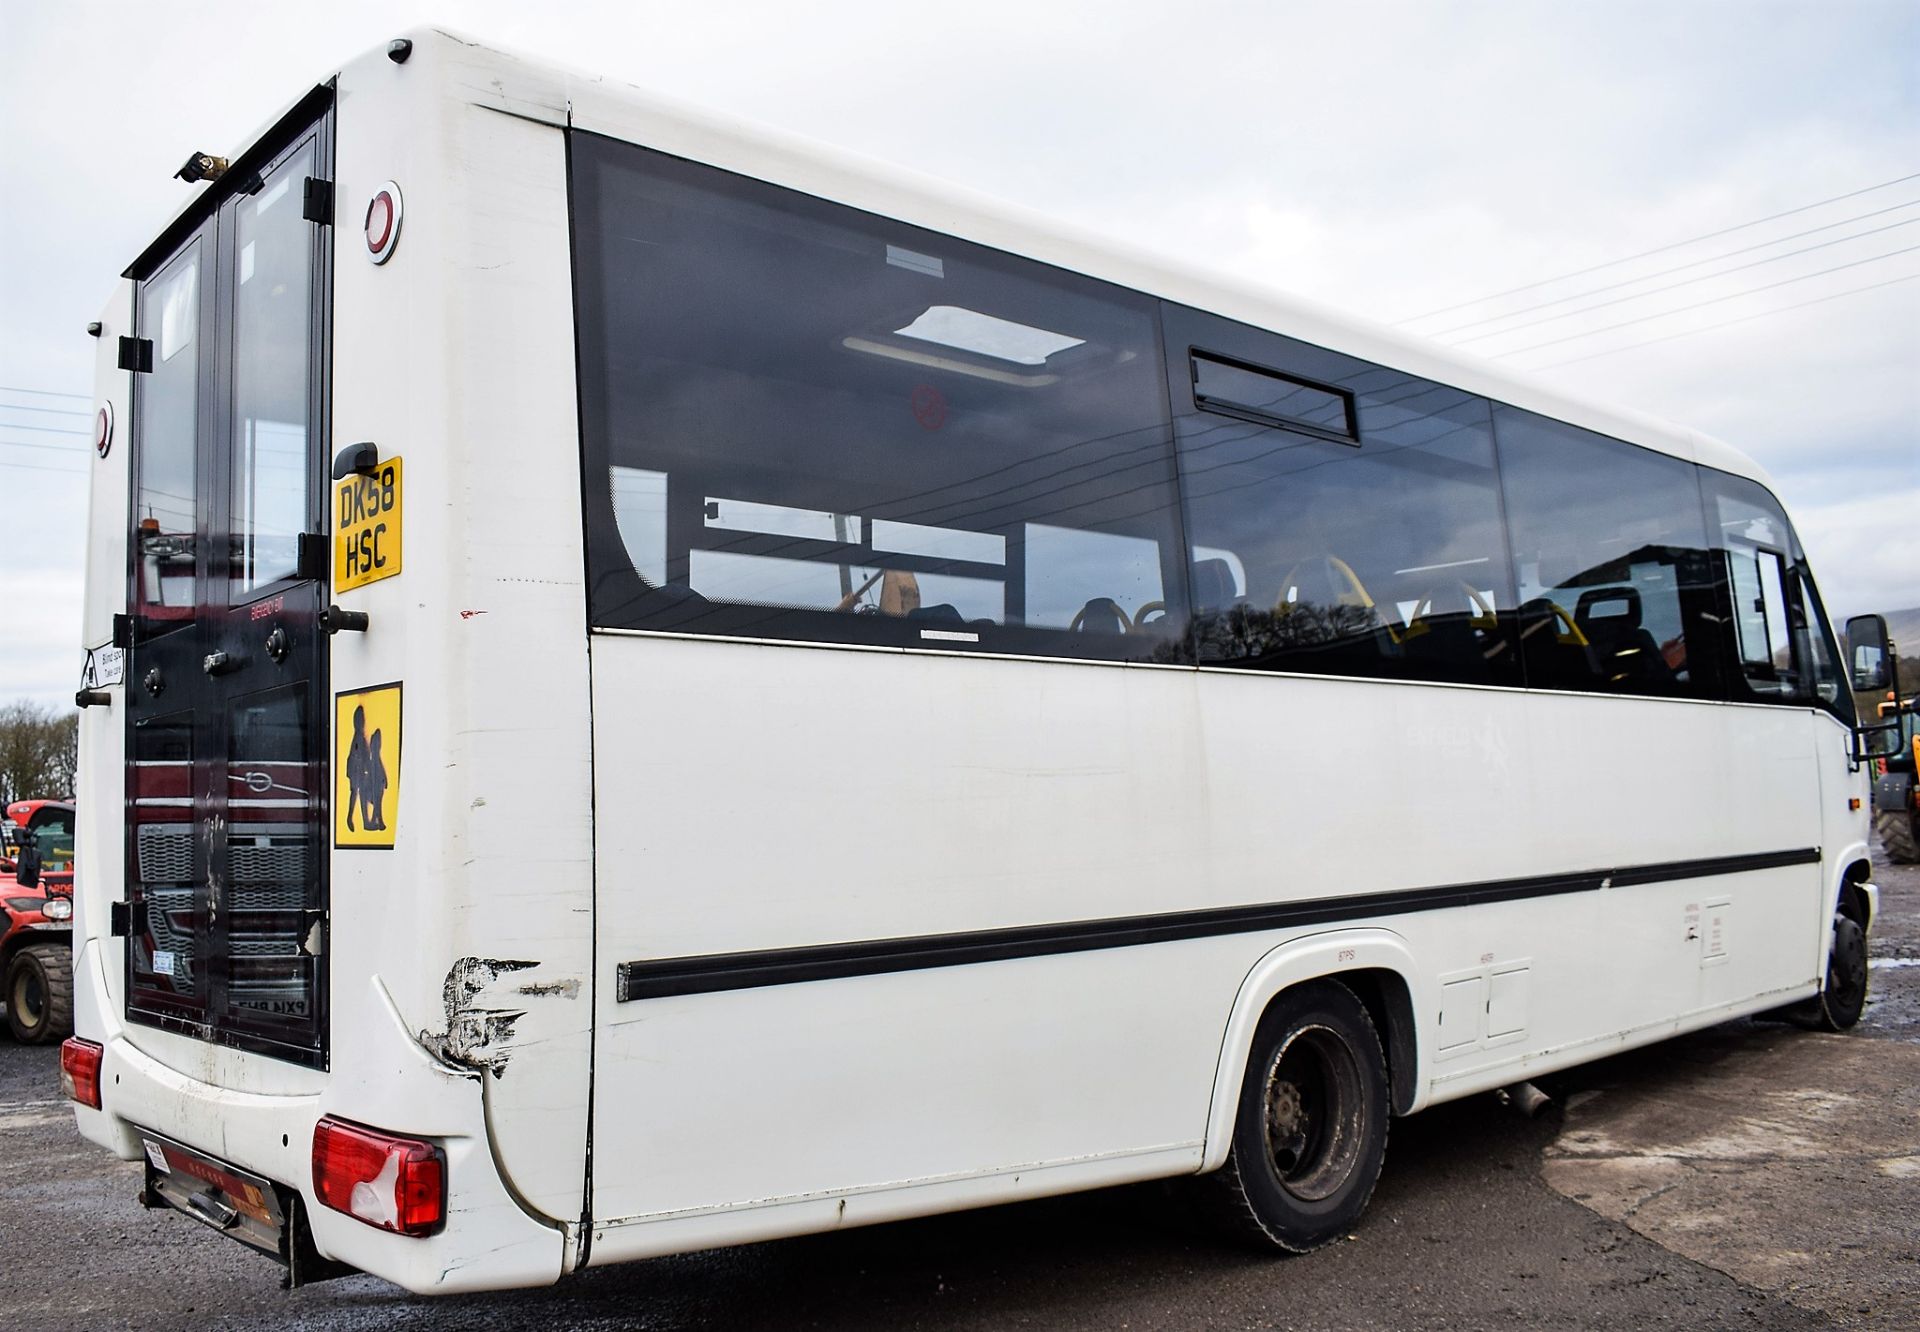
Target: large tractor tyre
[1310,1130]
[1899,834]
[40,994]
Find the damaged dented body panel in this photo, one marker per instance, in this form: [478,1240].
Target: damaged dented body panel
[462,873]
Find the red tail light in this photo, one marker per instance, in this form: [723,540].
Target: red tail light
[397,1184]
[80,1071]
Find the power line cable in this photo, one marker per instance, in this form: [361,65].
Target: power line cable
[1716,300]
[1728,323]
[67,449]
[1659,249]
[42,411]
[45,430]
[32,467]
[1677,268]
[45,393]
[1684,282]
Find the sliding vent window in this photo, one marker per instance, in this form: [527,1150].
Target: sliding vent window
[1308,554]
[1617,591]
[1274,399]
[807,422]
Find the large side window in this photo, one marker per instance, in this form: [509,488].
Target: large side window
[1785,647]
[803,421]
[1617,589]
[1344,517]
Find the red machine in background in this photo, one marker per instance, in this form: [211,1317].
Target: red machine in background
[36,919]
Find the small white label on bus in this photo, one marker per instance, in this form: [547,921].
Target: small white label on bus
[105,666]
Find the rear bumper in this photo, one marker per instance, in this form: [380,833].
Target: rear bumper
[489,1242]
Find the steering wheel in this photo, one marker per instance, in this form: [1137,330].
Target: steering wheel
[1100,603]
[1149,608]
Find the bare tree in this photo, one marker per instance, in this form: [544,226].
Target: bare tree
[38,750]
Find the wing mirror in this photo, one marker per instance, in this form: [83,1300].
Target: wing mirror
[1869,653]
[1875,669]
[27,867]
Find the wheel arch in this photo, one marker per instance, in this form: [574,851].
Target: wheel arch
[1854,895]
[1376,964]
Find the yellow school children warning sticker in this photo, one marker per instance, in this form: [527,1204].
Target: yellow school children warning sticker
[366,766]
[366,527]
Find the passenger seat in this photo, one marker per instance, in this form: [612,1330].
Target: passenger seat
[1625,649]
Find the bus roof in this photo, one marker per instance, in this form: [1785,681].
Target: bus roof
[463,70]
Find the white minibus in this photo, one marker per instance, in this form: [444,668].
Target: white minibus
[651,685]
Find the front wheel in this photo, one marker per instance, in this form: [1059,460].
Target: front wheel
[40,994]
[1310,1133]
[1844,997]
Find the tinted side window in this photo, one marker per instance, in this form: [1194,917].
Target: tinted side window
[1617,591]
[803,421]
[1309,554]
[1784,646]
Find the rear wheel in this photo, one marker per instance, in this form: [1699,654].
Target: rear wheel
[1899,834]
[40,994]
[1310,1132]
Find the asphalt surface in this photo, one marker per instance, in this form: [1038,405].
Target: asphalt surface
[1751,1176]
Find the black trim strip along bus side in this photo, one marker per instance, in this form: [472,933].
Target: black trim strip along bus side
[660,978]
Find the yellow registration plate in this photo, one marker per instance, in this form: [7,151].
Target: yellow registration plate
[366,527]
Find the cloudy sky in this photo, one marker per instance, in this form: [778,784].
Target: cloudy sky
[1393,160]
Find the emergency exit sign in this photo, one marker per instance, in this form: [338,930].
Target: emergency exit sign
[366,527]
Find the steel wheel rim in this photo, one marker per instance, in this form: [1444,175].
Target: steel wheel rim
[1846,972]
[1309,1108]
[29,998]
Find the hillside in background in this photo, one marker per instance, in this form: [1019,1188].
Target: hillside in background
[1904,628]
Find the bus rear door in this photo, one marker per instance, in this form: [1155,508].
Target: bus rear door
[226,871]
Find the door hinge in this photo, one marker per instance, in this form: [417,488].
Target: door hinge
[126,919]
[136,354]
[317,202]
[310,557]
[122,629]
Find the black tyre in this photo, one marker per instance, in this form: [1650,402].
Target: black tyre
[1310,1131]
[40,994]
[1899,834]
[1844,997]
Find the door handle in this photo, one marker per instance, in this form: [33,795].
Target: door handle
[221,663]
